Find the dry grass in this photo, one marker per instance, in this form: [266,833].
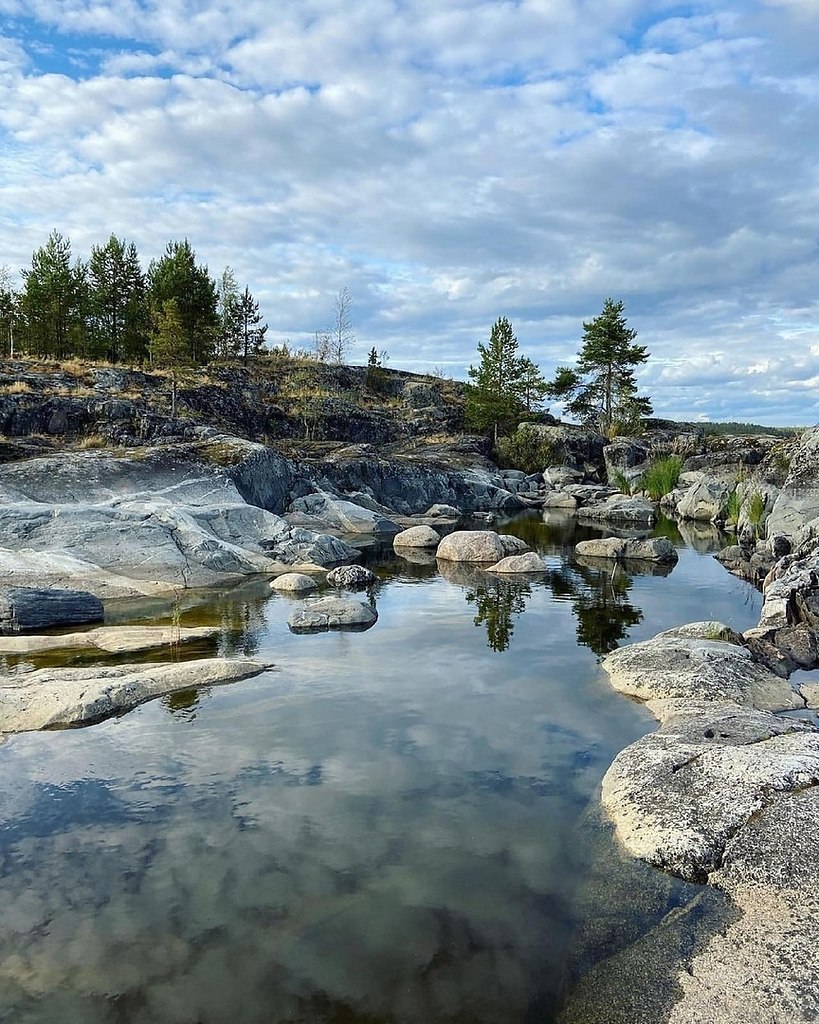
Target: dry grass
[93,441]
[17,387]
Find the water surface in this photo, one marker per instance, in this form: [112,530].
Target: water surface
[394,825]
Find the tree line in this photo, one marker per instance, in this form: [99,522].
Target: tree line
[109,308]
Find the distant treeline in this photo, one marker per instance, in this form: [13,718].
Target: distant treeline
[109,308]
[732,427]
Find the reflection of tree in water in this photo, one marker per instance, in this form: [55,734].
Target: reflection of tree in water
[598,598]
[497,602]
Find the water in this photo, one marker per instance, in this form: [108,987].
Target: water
[397,825]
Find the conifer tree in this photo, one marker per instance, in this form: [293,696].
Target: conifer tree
[250,326]
[493,400]
[177,276]
[119,319]
[227,301]
[601,391]
[53,302]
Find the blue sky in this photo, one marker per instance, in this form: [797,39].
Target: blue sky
[449,164]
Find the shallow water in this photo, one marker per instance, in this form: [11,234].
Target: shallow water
[394,825]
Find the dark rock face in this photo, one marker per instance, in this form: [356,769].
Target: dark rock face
[24,609]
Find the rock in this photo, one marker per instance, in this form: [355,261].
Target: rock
[560,500]
[559,476]
[442,511]
[24,609]
[625,455]
[332,613]
[351,576]
[512,545]
[471,546]
[417,556]
[679,667]
[779,545]
[791,590]
[111,639]
[651,549]
[417,537]
[797,504]
[327,511]
[704,501]
[530,562]
[620,508]
[678,795]
[293,583]
[71,696]
[601,547]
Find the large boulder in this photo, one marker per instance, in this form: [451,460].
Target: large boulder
[417,537]
[704,500]
[529,562]
[351,577]
[797,503]
[471,546]
[323,511]
[293,583]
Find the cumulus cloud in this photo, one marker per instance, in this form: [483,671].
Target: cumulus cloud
[447,165]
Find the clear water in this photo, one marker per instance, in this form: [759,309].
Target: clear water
[390,826]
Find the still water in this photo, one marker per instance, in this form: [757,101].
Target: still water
[398,825]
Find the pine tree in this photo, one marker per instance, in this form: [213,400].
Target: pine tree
[9,313]
[493,400]
[251,328]
[602,390]
[170,345]
[228,338]
[176,276]
[53,300]
[533,386]
[119,318]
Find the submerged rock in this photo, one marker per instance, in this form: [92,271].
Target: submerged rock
[111,639]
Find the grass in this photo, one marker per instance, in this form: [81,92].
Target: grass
[620,481]
[93,441]
[18,387]
[661,476]
[756,508]
[733,506]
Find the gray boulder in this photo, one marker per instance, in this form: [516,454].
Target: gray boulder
[417,537]
[704,500]
[529,562]
[471,546]
[351,577]
[601,547]
[332,613]
[443,511]
[328,512]
[293,583]
[111,639]
[620,508]
[651,549]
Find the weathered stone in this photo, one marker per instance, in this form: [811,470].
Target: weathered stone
[674,666]
[325,511]
[471,546]
[651,549]
[559,476]
[601,547]
[24,609]
[293,583]
[512,545]
[417,537]
[620,508]
[352,577]
[560,500]
[111,639]
[332,613]
[71,696]
[704,501]
[530,562]
[442,511]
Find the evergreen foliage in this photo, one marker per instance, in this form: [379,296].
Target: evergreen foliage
[9,313]
[601,391]
[54,299]
[177,277]
[494,399]
[251,330]
[119,323]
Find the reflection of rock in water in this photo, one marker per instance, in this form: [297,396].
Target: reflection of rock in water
[417,556]
[464,574]
[634,566]
[640,927]
[704,538]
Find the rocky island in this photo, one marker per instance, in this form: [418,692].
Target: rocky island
[120,484]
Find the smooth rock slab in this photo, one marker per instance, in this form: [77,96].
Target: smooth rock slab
[620,508]
[675,666]
[111,639]
[417,537]
[332,613]
[293,583]
[71,696]
[529,562]
[472,546]
[678,795]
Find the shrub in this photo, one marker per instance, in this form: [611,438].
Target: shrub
[756,508]
[661,476]
[526,449]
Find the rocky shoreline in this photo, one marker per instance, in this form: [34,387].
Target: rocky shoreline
[723,792]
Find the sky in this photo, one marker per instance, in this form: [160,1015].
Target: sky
[449,162]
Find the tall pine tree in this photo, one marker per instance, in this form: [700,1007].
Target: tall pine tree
[53,302]
[177,276]
[119,320]
[601,391]
[493,401]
